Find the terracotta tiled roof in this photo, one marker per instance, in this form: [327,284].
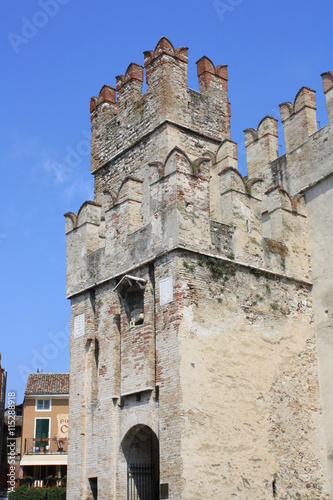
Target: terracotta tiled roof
[47,383]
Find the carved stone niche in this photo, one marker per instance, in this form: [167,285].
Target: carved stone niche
[131,291]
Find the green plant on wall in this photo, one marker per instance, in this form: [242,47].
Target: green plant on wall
[188,266]
[220,268]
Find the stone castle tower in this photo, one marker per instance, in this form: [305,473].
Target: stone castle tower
[201,301]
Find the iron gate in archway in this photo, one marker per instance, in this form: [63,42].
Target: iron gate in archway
[141,482]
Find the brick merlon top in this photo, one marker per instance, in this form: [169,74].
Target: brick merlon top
[47,383]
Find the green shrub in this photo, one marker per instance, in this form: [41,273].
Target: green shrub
[27,493]
[56,493]
[19,492]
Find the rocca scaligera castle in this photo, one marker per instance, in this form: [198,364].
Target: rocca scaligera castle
[201,301]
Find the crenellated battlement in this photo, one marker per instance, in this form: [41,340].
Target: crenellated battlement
[129,88]
[167,182]
[122,116]
[328,91]
[134,73]
[302,142]
[299,119]
[261,147]
[170,176]
[211,77]
[232,215]
[107,95]
[226,155]
[164,49]
[89,213]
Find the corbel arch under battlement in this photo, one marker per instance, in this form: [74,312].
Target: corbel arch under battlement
[235,179]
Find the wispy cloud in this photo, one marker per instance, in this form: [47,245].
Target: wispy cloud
[22,149]
[57,170]
[67,170]
[80,188]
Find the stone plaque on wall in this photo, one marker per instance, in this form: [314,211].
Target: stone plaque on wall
[166,291]
[79,326]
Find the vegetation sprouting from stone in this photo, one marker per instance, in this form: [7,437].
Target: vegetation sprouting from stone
[259,273]
[188,266]
[248,185]
[218,267]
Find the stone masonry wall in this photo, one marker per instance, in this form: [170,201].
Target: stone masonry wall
[79,393]
[251,411]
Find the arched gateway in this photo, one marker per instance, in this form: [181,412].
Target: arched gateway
[139,464]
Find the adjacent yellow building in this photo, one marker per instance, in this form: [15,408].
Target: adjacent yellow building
[45,429]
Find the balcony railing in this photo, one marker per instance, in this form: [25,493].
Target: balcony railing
[33,446]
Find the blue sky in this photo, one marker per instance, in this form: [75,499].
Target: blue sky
[55,55]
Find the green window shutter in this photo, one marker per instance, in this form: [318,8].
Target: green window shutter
[42,428]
